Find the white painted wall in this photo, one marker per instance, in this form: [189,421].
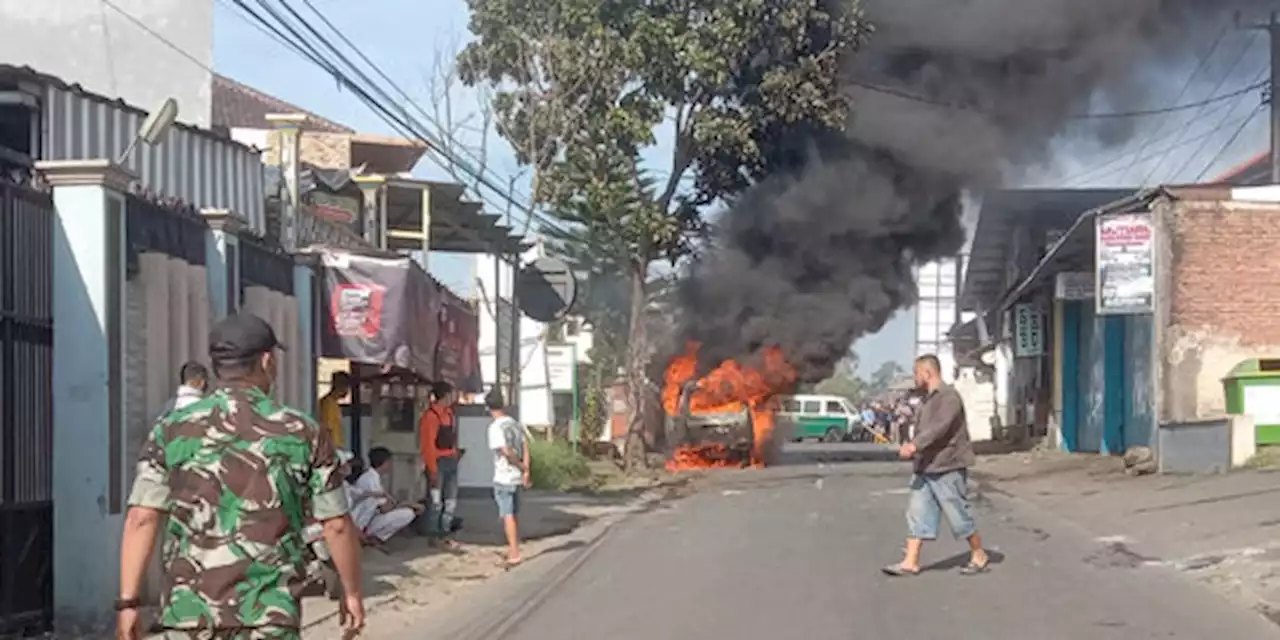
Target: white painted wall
[88,43]
[535,387]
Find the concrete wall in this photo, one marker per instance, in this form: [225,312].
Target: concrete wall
[1218,263]
[87,42]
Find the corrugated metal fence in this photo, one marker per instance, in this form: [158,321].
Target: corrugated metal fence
[195,166]
[26,409]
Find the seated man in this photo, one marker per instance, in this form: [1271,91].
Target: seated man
[376,512]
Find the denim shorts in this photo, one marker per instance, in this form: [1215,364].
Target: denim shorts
[508,499]
[934,495]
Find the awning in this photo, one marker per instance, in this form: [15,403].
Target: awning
[1001,214]
[1074,245]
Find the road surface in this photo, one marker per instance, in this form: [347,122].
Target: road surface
[795,552]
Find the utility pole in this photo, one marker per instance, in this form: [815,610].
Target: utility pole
[1272,27]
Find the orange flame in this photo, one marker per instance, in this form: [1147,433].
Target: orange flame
[730,387]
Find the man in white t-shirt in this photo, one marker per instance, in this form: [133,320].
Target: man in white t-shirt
[510,469]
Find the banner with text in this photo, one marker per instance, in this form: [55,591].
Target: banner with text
[1125,264]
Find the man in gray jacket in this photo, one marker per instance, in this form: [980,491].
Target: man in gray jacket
[942,454]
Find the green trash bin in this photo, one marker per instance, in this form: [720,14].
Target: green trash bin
[1253,387]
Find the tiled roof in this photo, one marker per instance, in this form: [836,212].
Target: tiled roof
[1254,171]
[239,105]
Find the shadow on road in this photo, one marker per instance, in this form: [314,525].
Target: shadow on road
[811,454]
[960,560]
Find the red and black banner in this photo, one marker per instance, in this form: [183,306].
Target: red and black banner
[380,311]
[458,349]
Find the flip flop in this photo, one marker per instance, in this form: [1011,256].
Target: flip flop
[511,563]
[899,571]
[973,569]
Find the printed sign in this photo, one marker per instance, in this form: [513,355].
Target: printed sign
[560,367]
[1074,285]
[357,309]
[1125,264]
[1028,331]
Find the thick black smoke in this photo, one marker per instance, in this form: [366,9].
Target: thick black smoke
[812,261]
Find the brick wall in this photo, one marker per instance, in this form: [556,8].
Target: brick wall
[1223,305]
[1227,269]
[327,150]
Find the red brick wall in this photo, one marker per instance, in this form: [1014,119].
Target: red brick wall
[1226,269]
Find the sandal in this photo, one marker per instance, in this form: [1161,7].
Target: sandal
[973,568]
[899,571]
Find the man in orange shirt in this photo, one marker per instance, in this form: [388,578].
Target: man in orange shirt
[438,442]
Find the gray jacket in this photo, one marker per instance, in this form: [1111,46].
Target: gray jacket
[942,433]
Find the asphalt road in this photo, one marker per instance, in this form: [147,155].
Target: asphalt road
[795,552]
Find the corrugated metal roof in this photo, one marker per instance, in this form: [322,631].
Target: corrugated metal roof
[206,169]
[238,105]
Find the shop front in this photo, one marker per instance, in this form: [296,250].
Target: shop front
[396,332]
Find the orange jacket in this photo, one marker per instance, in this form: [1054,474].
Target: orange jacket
[429,429]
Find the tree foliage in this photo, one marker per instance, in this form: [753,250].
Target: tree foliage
[728,91]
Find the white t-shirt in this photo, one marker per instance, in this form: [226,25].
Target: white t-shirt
[506,432]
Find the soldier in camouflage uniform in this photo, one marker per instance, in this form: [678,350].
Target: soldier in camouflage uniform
[239,476]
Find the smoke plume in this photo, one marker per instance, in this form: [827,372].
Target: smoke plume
[812,261]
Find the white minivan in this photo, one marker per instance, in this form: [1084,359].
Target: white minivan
[826,418]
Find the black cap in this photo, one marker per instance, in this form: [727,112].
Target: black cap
[241,336]
[494,401]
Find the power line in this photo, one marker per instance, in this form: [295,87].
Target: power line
[904,95]
[341,36]
[1203,145]
[1186,86]
[1244,51]
[153,33]
[300,46]
[263,26]
[1230,141]
[1079,178]
[398,118]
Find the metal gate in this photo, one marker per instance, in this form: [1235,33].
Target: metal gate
[26,409]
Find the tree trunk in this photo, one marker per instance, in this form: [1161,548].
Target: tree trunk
[637,382]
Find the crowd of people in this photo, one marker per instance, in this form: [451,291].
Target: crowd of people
[242,481]
[893,419]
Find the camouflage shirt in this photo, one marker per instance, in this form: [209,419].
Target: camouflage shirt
[239,475]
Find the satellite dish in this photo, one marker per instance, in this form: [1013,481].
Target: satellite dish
[546,289]
[153,128]
[158,122]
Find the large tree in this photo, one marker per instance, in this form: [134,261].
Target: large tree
[729,91]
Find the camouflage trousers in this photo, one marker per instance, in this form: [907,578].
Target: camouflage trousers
[258,633]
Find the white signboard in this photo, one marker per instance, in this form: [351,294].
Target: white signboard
[1125,271]
[1028,331]
[561,364]
[1263,403]
[1074,285]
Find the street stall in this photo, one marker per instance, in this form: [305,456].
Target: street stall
[400,332]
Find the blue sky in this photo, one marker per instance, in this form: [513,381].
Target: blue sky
[406,38]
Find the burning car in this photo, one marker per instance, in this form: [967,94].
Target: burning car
[722,433]
[725,418]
